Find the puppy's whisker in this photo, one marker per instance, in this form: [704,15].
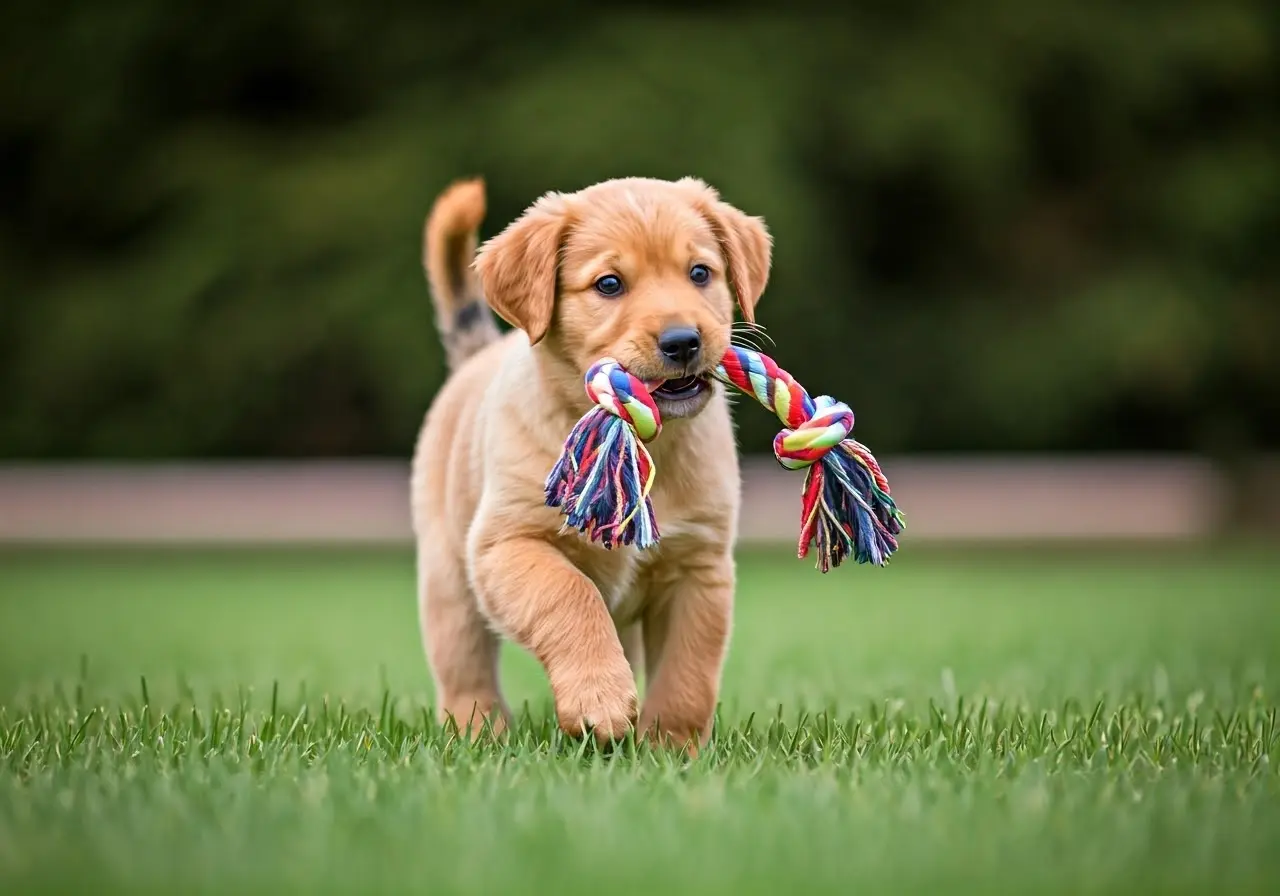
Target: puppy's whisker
[755,339]
[755,330]
[747,327]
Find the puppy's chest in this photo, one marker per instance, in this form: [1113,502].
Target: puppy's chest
[625,577]
[613,571]
[694,508]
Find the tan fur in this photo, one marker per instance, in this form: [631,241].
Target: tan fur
[449,243]
[493,560]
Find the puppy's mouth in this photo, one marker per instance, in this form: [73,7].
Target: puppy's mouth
[681,388]
[682,396]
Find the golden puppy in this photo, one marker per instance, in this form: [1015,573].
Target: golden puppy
[647,272]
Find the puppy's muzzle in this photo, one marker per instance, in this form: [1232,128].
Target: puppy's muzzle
[681,348]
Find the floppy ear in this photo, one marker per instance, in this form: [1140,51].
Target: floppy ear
[744,240]
[518,267]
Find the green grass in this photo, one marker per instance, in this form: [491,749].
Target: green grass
[1016,721]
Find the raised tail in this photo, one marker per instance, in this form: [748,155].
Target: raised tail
[450,238]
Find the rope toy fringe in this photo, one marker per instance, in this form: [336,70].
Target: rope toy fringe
[604,476]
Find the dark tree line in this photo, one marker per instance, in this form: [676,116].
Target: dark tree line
[999,225]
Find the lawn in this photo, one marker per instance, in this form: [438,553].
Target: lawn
[1070,720]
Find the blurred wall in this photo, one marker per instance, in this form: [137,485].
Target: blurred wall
[1000,224]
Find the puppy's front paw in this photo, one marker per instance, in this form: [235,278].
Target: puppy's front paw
[601,701]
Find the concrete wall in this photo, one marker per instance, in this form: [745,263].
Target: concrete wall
[979,498]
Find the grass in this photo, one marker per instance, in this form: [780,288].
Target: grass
[1036,721]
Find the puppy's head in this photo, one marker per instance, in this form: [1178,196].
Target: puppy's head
[644,271]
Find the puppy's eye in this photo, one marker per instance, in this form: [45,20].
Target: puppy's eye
[700,274]
[609,286]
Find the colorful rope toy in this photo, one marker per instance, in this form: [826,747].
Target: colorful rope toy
[601,482]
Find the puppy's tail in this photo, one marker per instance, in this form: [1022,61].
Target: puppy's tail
[449,241]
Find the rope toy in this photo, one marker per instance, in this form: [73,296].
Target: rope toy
[602,481]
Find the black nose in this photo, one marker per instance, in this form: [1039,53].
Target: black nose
[680,344]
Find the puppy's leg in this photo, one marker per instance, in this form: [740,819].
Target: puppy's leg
[461,648]
[632,638]
[686,636]
[544,603]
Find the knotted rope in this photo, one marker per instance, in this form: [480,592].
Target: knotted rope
[604,476]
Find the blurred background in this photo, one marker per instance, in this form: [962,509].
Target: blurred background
[1034,245]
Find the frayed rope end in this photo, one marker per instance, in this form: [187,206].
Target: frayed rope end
[601,483]
[846,509]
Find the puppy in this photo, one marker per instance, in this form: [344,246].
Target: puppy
[647,272]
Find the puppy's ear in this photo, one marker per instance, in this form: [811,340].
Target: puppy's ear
[518,268]
[744,240]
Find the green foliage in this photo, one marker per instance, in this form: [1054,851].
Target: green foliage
[1000,225]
